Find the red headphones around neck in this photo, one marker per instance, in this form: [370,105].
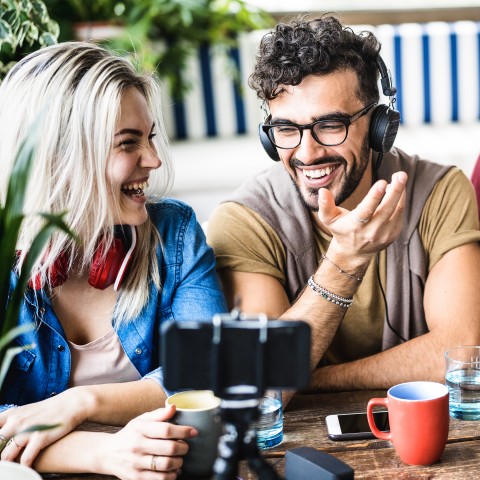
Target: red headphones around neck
[106,269]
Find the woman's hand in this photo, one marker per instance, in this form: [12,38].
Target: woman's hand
[65,409]
[146,448]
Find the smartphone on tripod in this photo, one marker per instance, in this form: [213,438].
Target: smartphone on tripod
[238,358]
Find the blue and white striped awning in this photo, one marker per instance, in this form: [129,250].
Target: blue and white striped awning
[435,67]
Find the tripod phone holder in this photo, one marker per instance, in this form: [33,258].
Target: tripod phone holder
[238,358]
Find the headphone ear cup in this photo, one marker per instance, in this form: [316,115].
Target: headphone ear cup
[104,270]
[383,128]
[268,146]
[57,273]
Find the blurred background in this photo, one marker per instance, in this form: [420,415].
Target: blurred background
[204,50]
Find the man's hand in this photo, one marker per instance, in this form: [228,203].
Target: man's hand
[373,225]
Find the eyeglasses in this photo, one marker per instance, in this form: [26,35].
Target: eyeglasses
[329,133]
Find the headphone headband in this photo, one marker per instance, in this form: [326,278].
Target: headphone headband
[388,89]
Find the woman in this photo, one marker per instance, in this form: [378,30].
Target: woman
[140,261]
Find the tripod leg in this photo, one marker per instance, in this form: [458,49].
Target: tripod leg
[256,462]
[226,464]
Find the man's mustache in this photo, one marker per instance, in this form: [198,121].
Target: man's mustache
[295,163]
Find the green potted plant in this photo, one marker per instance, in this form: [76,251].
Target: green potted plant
[25,26]
[11,217]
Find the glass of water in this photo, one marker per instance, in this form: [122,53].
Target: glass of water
[269,426]
[463,381]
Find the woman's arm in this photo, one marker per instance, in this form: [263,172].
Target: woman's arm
[95,403]
[146,443]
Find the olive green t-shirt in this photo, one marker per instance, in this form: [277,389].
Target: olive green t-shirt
[243,241]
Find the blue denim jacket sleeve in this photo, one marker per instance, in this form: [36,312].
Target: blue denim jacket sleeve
[198,296]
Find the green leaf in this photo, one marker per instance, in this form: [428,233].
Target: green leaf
[8,242]
[19,177]
[13,333]
[11,217]
[5,31]
[22,26]
[53,223]
[7,360]
[47,39]
[39,428]
[33,428]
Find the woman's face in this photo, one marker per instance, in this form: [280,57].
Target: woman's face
[131,160]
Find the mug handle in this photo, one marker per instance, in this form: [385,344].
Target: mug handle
[371,422]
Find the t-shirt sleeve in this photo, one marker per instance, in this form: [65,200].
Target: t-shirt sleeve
[449,218]
[244,242]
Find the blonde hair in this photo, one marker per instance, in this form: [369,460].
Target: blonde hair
[74,90]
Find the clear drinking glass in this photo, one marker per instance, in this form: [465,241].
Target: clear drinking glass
[463,381]
[269,426]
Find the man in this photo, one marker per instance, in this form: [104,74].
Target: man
[325,232]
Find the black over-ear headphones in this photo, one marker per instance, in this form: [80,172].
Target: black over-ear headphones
[384,122]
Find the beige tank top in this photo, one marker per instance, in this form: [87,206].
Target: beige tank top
[101,361]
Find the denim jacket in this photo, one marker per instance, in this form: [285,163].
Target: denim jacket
[190,291]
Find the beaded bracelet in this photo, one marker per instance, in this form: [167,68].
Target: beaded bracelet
[353,277]
[344,302]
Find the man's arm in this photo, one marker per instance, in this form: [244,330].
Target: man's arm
[452,310]
[353,246]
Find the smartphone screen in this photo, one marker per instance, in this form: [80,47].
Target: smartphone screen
[349,426]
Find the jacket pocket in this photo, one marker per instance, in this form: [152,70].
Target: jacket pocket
[15,384]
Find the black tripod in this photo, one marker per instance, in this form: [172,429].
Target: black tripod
[239,442]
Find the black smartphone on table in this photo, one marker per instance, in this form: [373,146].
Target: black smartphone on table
[354,426]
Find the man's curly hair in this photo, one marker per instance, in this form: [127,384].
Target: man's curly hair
[314,47]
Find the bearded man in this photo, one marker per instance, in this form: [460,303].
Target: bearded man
[376,249]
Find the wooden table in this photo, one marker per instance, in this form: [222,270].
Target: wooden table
[304,426]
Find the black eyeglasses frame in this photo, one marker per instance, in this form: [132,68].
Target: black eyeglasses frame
[266,127]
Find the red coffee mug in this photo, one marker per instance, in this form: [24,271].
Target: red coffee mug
[419,420]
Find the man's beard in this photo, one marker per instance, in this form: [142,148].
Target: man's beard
[348,185]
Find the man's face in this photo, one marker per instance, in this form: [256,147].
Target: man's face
[312,166]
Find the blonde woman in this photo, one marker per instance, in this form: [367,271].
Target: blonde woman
[140,261]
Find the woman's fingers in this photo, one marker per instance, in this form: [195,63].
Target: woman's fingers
[159,463]
[151,425]
[168,430]
[168,448]
[32,448]
[25,447]
[159,414]
[145,448]
[12,450]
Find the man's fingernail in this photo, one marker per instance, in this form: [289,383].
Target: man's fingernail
[401,177]
[321,195]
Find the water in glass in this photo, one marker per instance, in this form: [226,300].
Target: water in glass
[464,388]
[269,427]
